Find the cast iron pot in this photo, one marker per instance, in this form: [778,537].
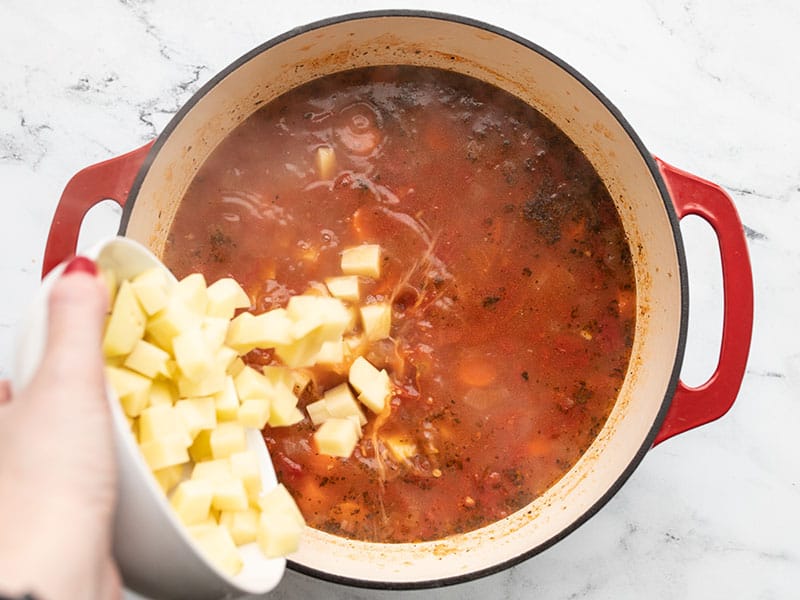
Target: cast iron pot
[650,196]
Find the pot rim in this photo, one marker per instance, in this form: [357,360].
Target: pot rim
[655,174]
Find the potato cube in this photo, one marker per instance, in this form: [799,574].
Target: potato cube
[225,357]
[401,447]
[279,501]
[147,359]
[236,366]
[224,297]
[318,412]
[213,470]
[229,494]
[344,287]
[337,437]
[192,291]
[161,421]
[283,407]
[341,403]
[216,544]
[132,389]
[248,331]
[254,413]
[168,477]
[126,325]
[278,537]
[110,279]
[165,451]
[362,260]
[200,450]
[228,437]
[197,414]
[227,401]
[277,375]
[151,288]
[374,386]
[244,466]
[251,384]
[215,331]
[310,313]
[162,392]
[241,524]
[300,381]
[191,500]
[192,353]
[325,161]
[330,353]
[170,321]
[376,320]
[212,382]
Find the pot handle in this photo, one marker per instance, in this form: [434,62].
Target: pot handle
[109,180]
[692,407]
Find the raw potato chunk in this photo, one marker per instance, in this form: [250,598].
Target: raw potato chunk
[241,524]
[147,359]
[161,421]
[254,413]
[165,451]
[227,438]
[229,494]
[278,536]
[337,437]
[318,412]
[224,297]
[192,353]
[341,403]
[279,501]
[325,161]
[151,288]
[174,318]
[214,471]
[197,414]
[126,325]
[244,466]
[283,409]
[169,477]
[192,290]
[192,500]
[227,401]
[267,330]
[376,320]
[344,287]
[362,260]
[374,386]
[252,384]
[132,389]
[162,392]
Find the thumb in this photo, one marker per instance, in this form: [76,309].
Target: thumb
[76,314]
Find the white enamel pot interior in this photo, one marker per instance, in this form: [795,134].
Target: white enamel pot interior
[581,111]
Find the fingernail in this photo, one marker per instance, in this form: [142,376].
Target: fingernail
[81,264]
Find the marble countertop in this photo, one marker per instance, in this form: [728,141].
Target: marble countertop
[711,87]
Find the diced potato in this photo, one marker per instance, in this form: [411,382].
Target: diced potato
[162,392]
[216,544]
[236,366]
[191,500]
[283,407]
[224,297]
[132,389]
[341,403]
[192,353]
[229,494]
[126,325]
[165,451]
[110,279]
[337,437]
[225,357]
[279,501]
[151,288]
[300,381]
[200,450]
[213,470]
[318,412]
[344,287]
[401,447]
[254,413]
[228,437]
[173,319]
[330,353]
[252,384]
[197,414]
[212,382]
[161,421]
[248,331]
[276,536]
[193,291]
[227,401]
[309,313]
[147,359]
[374,386]
[215,330]
[169,477]
[244,466]
[362,260]
[376,320]
[277,375]
[241,524]
[325,161]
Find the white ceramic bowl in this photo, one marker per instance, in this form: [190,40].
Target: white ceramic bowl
[154,553]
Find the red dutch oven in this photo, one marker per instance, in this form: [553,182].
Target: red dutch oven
[650,195]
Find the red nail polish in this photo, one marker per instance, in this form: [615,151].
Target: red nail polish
[81,264]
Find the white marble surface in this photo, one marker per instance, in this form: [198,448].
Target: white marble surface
[711,86]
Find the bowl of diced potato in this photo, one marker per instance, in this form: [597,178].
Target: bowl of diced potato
[200,513]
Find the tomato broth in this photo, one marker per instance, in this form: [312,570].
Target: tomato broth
[508,270]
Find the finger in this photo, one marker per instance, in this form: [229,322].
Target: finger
[5,391]
[76,314]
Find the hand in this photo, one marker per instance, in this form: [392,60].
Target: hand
[57,463]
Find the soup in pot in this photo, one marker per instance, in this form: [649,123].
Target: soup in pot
[505,262]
